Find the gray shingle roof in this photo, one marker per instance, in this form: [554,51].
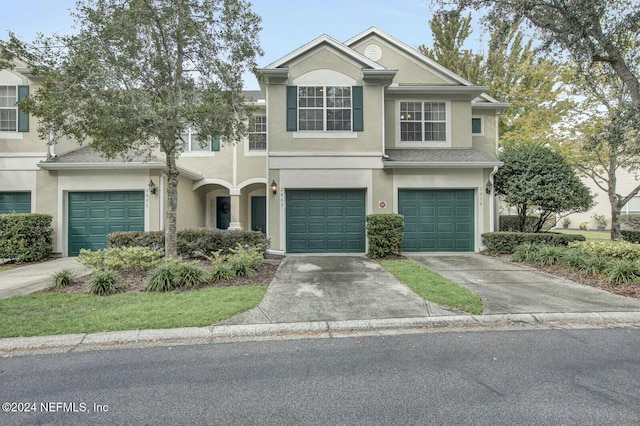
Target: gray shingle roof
[439,157]
[87,154]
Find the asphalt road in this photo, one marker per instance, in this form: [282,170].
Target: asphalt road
[528,377]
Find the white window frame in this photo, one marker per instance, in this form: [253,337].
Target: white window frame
[252,131]
[191,139]
[424,144]
[325,108]
[481,118]
[14,108]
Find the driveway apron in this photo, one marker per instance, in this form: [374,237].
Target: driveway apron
[507,287]
[333,288]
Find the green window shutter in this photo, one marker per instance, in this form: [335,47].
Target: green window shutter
[23,119]
[357,103]
[215,144]
[292,108]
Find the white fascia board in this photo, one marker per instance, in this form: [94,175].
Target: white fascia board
[439,165]
[330,41]
[409,50]
[438,90]
[117,166]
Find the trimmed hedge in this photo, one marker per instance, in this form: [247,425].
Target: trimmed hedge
[631,220]
[506,242]
[631,236]
[386,233]
[192,243]
[509,223]
[26,237]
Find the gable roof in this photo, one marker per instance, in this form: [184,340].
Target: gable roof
[439,158]
[330,41]
[443,72]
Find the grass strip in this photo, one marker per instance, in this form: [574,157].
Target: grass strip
[434,287]
[47,314]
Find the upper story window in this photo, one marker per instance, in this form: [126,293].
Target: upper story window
[423,121]
[258,133]
[476,126]
[323,108]
[8,108]
[317,109]
[11,118]
[194,143]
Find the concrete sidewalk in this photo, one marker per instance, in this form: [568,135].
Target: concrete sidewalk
[330,296]
[31,278]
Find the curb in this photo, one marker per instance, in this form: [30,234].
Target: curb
[316,329]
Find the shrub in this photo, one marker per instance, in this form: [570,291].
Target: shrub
[613,249]
[632,221]
[104,283]
[192,243]
[572,258]
[26,237]
[591,265]
[223,272]
[506,242]
[526,252]
[189,275]
[120,258]
[386,233]
[550,255]
[631,236]
[511,223]
[165,277]
[61,279]
[622,271]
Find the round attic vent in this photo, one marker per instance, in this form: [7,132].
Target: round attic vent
[373,52]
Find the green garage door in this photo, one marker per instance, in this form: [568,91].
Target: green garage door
[437,220]
[15,202]
[325,221]
[93,215]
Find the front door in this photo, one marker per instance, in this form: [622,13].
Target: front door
[259,214]
[223,212]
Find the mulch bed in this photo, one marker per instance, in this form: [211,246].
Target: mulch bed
[134,281]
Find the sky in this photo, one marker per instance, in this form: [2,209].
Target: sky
[286,24]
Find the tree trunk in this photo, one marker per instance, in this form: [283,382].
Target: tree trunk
[171,232]
[616,208]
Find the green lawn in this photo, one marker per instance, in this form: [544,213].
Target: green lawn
[589,235]
[49,313]
[434,287]
[4,268]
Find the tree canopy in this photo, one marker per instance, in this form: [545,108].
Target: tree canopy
[537,180]
[139,72]
[590,31]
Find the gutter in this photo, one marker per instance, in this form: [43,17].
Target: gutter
[439,165]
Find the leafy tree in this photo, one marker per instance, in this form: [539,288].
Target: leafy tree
[606,138]
[590,31]
[537,180]
[512,74]
[139,72]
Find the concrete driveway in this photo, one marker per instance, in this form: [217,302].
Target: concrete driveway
[30,278]
[507,287]
[335,288]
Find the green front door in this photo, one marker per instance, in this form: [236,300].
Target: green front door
[325,221]
[15,202]
[259,214]
[94,215]
[437,220]
[223,212]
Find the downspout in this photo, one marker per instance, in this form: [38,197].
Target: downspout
[52,145]
[384,136]
[492,201]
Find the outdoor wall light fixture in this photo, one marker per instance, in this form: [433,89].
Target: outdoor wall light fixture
[152,187]
[489,187]
[274,187]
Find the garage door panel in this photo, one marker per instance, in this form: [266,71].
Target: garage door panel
[333,221]
[94,215]
[437,220]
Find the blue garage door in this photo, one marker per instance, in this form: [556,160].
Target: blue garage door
[326,221]
[94,215]
[437,220]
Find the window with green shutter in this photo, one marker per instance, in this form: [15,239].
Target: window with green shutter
[324,108]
